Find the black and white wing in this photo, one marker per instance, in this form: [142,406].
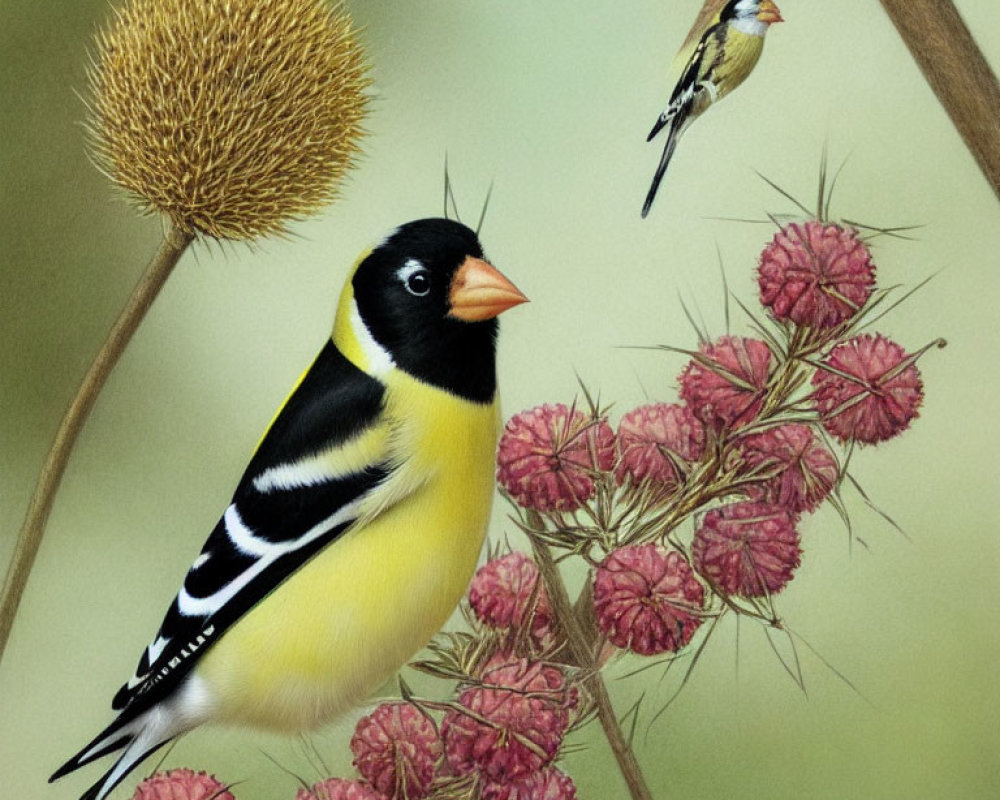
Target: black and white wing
[301,490]
[692,93]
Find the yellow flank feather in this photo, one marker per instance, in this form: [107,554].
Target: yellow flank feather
[742,53]
[340,626]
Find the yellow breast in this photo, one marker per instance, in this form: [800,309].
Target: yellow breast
[339,627]
[742,51]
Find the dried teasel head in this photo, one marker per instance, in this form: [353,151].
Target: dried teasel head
[229,117]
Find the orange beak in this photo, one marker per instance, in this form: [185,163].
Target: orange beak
[478,291]
[768,12]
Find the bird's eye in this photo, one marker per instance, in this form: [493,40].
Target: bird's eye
[419,283]
[415,277]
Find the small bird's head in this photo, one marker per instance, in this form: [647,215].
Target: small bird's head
[755,15]
[429,300]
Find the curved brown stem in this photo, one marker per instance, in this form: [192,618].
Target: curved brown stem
[174,243]
[957,71]
[582,651]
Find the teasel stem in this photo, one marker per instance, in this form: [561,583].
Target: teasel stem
[175,242]
[583,645]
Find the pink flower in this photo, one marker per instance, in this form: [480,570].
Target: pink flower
[501,591]
[397,749]
[521,713]
[870,391]
[726,388]
[339,789]
[748,549]
[182,784]
[802,468]
[547,455]
[546,784]
[653,440]
[815,274]
[647,599]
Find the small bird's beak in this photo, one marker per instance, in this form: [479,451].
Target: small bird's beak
[768,12]
[478,291]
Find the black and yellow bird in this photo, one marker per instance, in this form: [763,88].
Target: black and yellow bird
[356,526]
[724,54]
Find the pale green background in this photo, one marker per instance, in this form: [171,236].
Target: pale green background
[551,100]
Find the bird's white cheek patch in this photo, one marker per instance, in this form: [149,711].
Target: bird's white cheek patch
[751,27]
[379,362]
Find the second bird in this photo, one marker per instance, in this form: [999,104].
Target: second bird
[724,55]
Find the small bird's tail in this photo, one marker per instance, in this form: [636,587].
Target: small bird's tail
[668,151]
[138,738]
[661,120]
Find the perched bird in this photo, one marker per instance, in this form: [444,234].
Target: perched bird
[358,523]
[725,54]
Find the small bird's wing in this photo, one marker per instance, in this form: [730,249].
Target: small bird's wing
[704,58]
[324,453]
[692,94]
[708,16]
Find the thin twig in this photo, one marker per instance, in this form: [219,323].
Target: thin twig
[174,243]
[581,650]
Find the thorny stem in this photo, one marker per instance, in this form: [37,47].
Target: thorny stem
[174,243]
[582,653]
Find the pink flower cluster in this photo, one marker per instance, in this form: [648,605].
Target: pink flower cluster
[647,599]
[185,784]
[748,549]
[504,732]
[511,723]
[815,274]
[656,445]
[800,470]
[505,593]
[724,386]
[398,750]
[868,391]
[338,789]
[182,784]
[550,454]
[815,279]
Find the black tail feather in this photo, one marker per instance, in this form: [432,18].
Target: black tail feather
[77,761]
[103,787]
[661,120]
[127,727]
[668,152]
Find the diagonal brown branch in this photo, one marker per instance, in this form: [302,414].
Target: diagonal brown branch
[582,653]
[954,66]
[174,244]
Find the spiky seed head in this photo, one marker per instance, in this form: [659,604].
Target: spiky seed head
[519,712]
[230,117]
[397,749]
[182,784]
[647,599]
[748,549]
[339,789]
[547,456]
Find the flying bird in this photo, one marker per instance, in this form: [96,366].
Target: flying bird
[726,52]
[357,524]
